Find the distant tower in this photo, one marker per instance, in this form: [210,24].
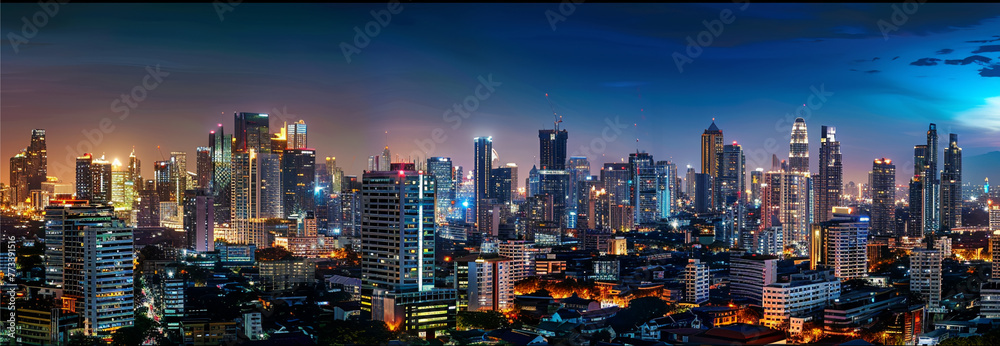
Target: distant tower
[482,169]
[883,186]
[951,185]
[711,147]
[932,197]
[798,152]
[552,149]
[296,135]
[830,181]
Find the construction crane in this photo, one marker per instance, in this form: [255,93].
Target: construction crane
[557,118]
[164,158]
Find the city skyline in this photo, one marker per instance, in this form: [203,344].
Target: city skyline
[629,84]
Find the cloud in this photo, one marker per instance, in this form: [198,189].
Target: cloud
[985,41]
[984,116]
[624,84]
[872,71]
[990,71]
[945,51]
[987,49]
[975,58]
[925,62]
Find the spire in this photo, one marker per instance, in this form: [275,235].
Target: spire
[713,128]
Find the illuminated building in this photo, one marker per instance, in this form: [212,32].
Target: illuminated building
[642,187]
[951,185]
[841,244]
[749,273]
[711,146]
[298,181]
[696,281]
[221,187]
[483,166]
[787,202]
[490,284]
[805,295]
[296,135]
[93,179]
[199,225]
[122,191]
[829,181]
[931,184]
[883,186]
[441,169]
[798,148]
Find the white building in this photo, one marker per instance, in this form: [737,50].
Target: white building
[995,217]
[252,326]
[769,241]
[748,274]
[522,254]
[491,284]
[989,306]
[618,246]
[805,295]
[846,245]
[925,275]
[696,281]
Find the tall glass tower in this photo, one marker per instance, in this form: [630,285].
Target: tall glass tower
[830,181]
[798,148]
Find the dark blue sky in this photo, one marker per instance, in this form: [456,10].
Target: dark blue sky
[604,62]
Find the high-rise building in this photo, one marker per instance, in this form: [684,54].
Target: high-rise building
[749,273]
[483,166]
[296,135]
[552,149]
[148,207]
[696,281]
[122,191]
[298,181]
[615,177]
[579,170]
[666,188]
[199,217]
[501,179]
[93,179]
[829,181]
[397,253]
[883,186]
[555,183]
[531,182]
[252,132]
[932,197]
[756,182]
[222,174]
[689,181]
[178,175]
[642,187]
[163,176]
[951,185]
[204,165]
[385,160]
[703,192]
[89,253]
[804,295]
[731,178]
[490,282]
[38,161]
[19,167]
[440,168]
[925,275]
[712,143]
[787,203]
[798,148]
[841,243]
[915,228]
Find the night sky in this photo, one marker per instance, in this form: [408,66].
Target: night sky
[603,62]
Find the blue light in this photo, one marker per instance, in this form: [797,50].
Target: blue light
[465,204]
[864,219]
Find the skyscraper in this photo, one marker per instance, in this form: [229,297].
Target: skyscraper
[89,253]
[915,226]
[932,197]
[163,176]
[883,186]
[203,163]
[397,253]
[296,135]
[951,185]
[552,149]
[787,203]
[199,215]
[298,181]
[579,169]
[501,179]
[696,285]
[555,183]
[122,191]
[829,182]
[440,168]
[336,175]
[798,148]
[482,168]
[252,132]
[642,187]
[178,175]
[666,188]
[93,179]
[19,167]
[756,181]
[615,177]
[711,146]
[841,243]
[385,160]
[222,156]
[731,178]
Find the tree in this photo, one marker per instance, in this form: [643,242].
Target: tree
[602,335]
[273,254]
[487,320]
[639,311]
[353,331]
[143,329]
[85,340]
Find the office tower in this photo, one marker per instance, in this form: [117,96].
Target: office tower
[122,190]
[841,243]
[135,171]
[552,149]
[787,203]
[385,160]
[93,179]
[703,192]
[373,163]
[696,281]
[915,228]
[37,157]
[556,184]
[756,182]
[440,168]
[689,180]
[642,187]
[798,148]
[279,141]
[579,170]
[298,181]
[204,167]
[178,174]
[222,174]
[731,178]
[19,168]
[883,186]
[336,175]
[199,217]
[931,184]
[951,185]
[994,218]
[829,182]
[163,175]
[483,166]
[397,253]
[501,179]
[252,133]
[296,135]
[666,188]
[615,177]
[769,241]
[749,273]
[148,206]
[531,182]
[804,295]
[490,282]
[925,274]
[711,146]
[256,195]
[89,253]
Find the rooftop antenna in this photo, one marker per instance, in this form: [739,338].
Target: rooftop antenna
[558,119]
[161,153]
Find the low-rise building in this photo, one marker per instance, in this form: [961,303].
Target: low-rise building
[805,294]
